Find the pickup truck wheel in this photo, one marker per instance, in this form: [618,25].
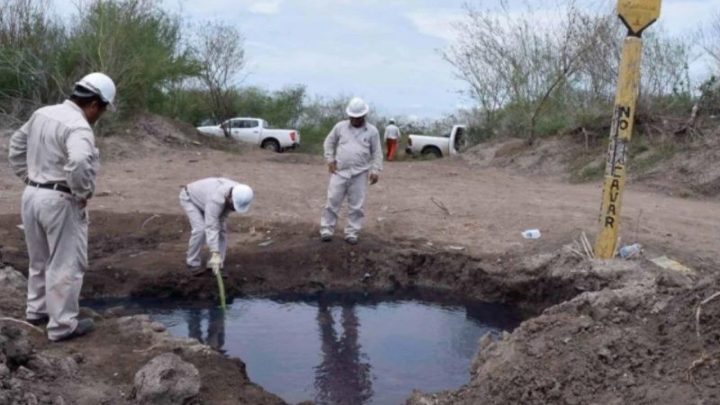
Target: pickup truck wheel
[431,152]
[271,144]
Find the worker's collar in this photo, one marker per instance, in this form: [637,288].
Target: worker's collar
[363,127]
[76,107]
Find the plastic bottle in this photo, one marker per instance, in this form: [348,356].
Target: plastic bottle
[630,251]
[531,234]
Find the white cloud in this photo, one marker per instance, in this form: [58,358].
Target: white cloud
[265,7]
[436,23]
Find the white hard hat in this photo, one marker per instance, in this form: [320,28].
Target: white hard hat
[357,108]
[391,120]
[242,196]
[101,85]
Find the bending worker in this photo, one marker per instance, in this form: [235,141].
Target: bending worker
[392,137]
[55,155]
[354,157]
[207,203]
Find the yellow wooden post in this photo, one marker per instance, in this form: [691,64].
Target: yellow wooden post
[637,15]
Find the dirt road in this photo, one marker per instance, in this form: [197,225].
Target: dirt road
[487,208]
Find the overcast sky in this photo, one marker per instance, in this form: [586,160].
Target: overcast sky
[387,51]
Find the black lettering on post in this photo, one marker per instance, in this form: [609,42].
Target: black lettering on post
[609,222]
[624,124]
[611,209]
[615,185]
[624,111]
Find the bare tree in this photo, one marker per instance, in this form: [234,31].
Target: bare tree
[710,39]
[220,50]
[558,66]
[519,59]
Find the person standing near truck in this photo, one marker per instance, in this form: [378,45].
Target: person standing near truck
[392,137]
[354,157]
[54,153]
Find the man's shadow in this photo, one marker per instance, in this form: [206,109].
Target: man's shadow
[215,336]
[341,377]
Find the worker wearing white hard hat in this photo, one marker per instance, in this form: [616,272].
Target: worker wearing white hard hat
[354,157]
[54,153]
[392,137]
[207,203]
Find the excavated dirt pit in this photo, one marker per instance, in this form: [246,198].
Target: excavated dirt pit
[338,350]
[594,332]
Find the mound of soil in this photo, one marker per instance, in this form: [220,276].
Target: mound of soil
[672,166]
[149,134]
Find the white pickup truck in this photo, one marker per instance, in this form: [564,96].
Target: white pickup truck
[438,146]
[255,131]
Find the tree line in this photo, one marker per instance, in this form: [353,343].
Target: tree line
[530,72]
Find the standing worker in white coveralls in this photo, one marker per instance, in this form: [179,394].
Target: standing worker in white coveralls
[354,156]
[55,155]
[207,203]
[392,138]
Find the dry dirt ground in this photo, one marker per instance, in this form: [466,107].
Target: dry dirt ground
[617,332]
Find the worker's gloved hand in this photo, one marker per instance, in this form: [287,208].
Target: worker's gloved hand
[332,167]
[374,177]
[215,262]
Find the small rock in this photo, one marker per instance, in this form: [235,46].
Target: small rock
[67,366]
[103,194]
[4,371]
[604,353]
[31,399]
[12,278]
[78,357]
[115,312]
[158,327]
[24,373]
[40,364]
[166,380]
[485,341]
[90,313]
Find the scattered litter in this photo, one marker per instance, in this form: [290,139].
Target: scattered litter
[366,276]
[266,243]
[381,219]
[21,227]
[670,264]
[582,247]
[531,234]
[429,244]
[630,251]
[197,143]
[457,248]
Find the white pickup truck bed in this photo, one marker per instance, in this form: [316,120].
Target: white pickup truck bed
[255,131]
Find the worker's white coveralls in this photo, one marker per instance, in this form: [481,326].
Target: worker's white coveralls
[56,146]
[204,204]
[392,132]
[357,152]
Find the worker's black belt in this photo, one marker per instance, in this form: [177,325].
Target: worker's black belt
[49,186]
